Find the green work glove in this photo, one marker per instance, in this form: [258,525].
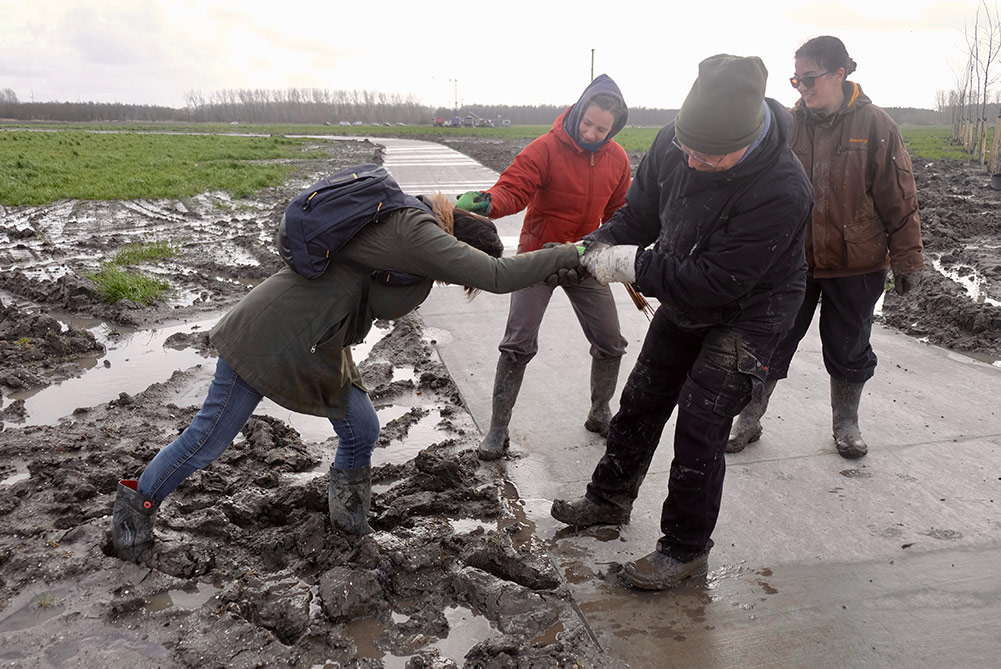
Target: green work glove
[476,201]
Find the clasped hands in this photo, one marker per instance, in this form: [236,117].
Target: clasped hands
[606,263]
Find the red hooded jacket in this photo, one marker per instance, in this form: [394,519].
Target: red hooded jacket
[567,191]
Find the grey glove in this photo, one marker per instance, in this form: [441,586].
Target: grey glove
[905,283]
[565,278]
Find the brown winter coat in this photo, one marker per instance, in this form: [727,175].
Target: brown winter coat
[865,206]
[290,337]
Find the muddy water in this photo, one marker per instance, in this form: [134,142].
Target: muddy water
[137,358]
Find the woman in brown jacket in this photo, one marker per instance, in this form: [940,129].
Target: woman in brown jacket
[864,222]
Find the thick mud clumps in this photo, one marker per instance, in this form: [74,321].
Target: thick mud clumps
[246,569]
[35,349]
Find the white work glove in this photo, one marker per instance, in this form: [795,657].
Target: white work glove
[610,263]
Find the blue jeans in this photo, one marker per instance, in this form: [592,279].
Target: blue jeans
[228,406]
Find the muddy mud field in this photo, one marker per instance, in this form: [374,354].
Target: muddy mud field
[246,570]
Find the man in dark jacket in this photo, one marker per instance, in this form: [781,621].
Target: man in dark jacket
[725,203]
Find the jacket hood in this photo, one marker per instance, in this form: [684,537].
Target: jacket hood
[571,118]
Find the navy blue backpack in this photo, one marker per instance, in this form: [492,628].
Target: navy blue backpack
[325,216]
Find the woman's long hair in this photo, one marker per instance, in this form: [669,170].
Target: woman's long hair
[473,229]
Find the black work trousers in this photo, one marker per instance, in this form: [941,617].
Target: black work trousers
[709,373]
[846,317]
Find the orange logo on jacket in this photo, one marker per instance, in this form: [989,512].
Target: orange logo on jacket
[858,140]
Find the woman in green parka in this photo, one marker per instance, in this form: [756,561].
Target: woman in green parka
[289,340]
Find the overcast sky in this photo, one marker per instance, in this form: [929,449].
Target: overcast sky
[494,51]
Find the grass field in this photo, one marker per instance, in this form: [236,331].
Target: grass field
[40,167]
[119,161]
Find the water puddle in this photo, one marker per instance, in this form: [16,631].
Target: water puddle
[136,359]
[32,609]
[191,598]
[21,472]
[974,283]
[466,628]
[133,361]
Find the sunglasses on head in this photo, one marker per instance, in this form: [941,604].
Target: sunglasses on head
[808,81]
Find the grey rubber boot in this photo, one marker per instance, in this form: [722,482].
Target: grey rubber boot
[585,512]
[604,377]
[132,521]
[845,398]
[747,428]
[507,384]
[349,496]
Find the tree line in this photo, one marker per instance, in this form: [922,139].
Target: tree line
[322,106]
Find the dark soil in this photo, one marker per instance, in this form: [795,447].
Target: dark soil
[247,571]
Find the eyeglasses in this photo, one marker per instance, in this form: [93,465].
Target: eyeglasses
[808,81]
[699,159]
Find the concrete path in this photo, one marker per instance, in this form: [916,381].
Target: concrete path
[892,560]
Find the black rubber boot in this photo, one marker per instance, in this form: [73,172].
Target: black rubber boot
[604,377]
[845,398]
[747,427]
[132,521]
[349,496]
[659,571]
[507,384]
[584,512]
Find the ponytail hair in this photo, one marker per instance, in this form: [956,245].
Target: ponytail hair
[828,52]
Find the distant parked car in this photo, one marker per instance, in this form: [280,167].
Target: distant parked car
[388,123]
[358,123]
[344,123]
[401,123]
[506,122]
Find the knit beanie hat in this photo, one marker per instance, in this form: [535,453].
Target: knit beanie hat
[723,112]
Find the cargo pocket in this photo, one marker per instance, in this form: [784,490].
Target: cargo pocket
[744,382]
[865,245]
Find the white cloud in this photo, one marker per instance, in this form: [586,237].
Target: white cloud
[514,52]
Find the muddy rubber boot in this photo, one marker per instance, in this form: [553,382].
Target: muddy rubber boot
[659,571]
[604,376]
[747,427]
[349,496]
[507,384]
[132,521]
[845,398]
[585,512]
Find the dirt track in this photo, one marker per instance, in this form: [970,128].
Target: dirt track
[247,571]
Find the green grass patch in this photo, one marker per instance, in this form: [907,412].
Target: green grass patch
[41,167]
[133,254]
[115,284]
[933,142]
